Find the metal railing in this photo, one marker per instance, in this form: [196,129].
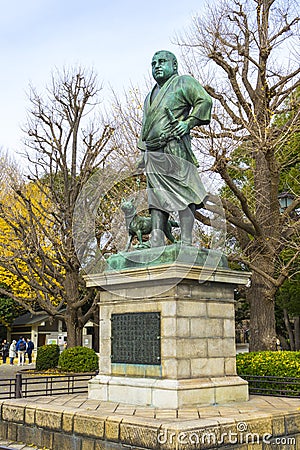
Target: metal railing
[23,386]
[7,388]
[36,386]
[274,386]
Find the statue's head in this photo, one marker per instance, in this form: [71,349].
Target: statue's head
[164,65]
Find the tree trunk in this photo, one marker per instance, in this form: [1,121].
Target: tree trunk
[78,333]
[261,252]
[289,329]
[284,343]
[297,333]
[72,327]
[262,315]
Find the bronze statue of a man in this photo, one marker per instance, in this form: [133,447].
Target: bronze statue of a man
[175,105]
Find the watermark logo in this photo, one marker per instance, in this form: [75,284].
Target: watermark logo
[240,435]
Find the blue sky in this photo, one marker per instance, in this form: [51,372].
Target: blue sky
[116,38]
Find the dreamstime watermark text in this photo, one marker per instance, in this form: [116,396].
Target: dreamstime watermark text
[239,436]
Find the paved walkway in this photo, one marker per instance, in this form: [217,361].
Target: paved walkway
[8,376]
[8,371]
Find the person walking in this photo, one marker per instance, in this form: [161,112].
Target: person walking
[4,350]
[12,352]
[21,349]
[30,347]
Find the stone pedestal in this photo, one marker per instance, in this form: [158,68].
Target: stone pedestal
[197,336]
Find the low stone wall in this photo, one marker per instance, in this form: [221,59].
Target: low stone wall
[78,424]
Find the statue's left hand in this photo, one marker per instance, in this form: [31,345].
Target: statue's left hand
[181,128]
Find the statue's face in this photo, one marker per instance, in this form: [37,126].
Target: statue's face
[163,67]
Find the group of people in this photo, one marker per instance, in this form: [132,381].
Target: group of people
[19,349]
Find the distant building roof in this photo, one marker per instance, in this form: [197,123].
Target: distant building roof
[30,319]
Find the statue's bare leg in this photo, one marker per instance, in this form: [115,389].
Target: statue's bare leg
[159,221]
[187,219]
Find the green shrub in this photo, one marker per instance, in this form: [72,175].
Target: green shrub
[78,359]
[47,357]
[279,364]
[271,364]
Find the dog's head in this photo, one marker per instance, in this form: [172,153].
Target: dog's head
[128,207]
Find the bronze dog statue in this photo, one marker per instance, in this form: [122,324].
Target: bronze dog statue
[141,225]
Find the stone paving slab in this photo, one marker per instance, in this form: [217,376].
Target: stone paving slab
[80,403]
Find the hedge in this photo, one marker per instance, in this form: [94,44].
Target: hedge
[47,357]
[78,359]
[279,364]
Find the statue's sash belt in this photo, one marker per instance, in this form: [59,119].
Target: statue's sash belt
[159,143]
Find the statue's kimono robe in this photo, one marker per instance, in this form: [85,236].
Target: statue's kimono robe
[171,166]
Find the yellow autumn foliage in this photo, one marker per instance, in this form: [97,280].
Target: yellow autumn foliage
[17,229]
